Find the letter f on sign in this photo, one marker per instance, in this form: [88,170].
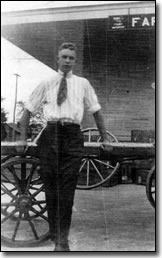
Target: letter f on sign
[135,20]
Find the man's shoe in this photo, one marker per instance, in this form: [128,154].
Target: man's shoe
[62,247]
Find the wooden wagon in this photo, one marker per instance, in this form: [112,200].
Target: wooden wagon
[23,206]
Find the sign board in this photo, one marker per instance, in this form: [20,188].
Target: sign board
[131,21]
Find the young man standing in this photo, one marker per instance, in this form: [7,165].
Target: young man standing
[60,145]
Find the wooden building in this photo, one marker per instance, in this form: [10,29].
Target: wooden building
[116,52]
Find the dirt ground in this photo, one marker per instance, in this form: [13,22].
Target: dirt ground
[118,218]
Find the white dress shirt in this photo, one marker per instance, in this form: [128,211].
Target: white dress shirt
[80,94]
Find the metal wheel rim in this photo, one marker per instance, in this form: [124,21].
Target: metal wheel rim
[103,180]
[29,200]
[90,161]
[150,186]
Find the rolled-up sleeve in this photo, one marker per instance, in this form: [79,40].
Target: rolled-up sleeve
[91,100]
[35,100]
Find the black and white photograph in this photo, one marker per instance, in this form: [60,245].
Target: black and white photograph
[78,126]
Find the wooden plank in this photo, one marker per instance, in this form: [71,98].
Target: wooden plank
[18,144]
[87,144]
[104,150]
[119,144]
[118,151]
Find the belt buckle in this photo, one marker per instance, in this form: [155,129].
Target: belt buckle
[62,122]
[65,121]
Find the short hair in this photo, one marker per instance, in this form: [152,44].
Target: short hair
[68,45]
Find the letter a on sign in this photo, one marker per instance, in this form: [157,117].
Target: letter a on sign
[145,22]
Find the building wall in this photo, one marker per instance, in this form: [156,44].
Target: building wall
[121,67]
[41,40]
[120,64]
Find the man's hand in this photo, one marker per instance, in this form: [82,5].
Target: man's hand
[21,145]
[106,140]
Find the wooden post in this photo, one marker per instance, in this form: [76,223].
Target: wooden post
[14,112]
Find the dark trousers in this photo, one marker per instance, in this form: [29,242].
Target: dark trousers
[60,150]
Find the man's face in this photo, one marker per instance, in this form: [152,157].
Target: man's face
[66,60]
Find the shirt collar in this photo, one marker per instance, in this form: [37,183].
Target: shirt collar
[69,74]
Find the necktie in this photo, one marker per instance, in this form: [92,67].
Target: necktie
[62,93]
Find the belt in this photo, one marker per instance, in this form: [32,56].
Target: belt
[62,122]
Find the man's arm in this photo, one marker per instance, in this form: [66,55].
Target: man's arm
[23,124]
[98,116]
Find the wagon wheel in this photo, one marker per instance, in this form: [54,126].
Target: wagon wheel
[93,170]
[4,158]
[93,135]
[10,156]
[23,207]
[7,179]
[150,186]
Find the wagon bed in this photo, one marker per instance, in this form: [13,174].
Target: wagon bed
[115,149]
[22,192]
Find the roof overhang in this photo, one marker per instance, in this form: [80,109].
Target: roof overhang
[39,31]
[78,12]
